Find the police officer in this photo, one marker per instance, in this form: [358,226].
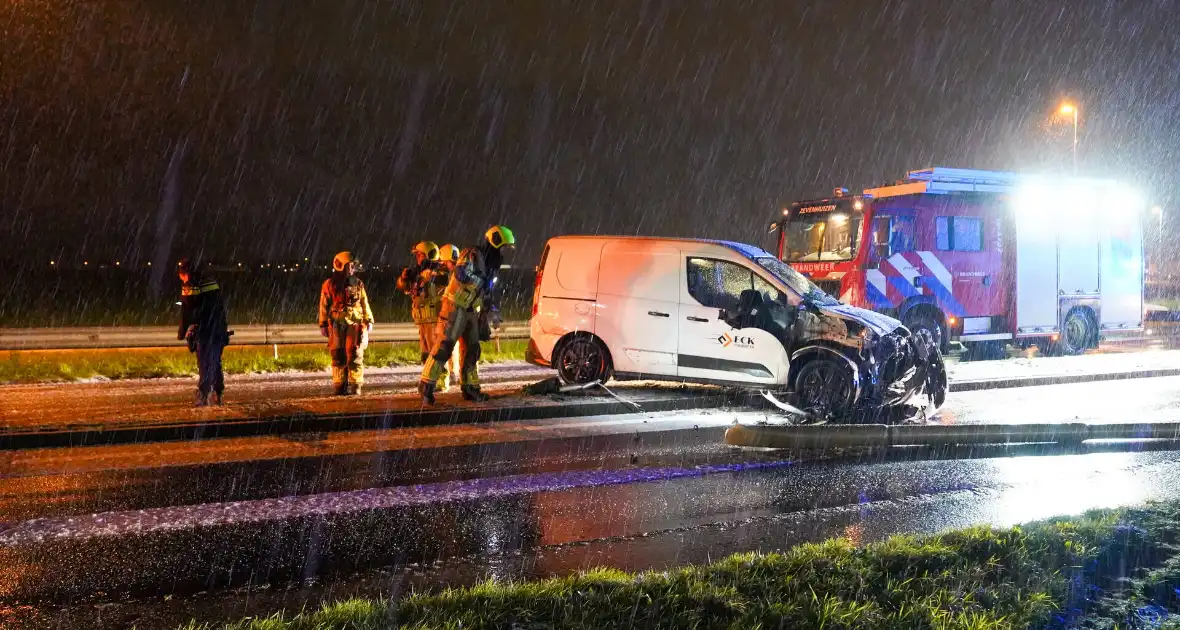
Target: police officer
[204,324]
[346,320]
[468,291]
[424,283]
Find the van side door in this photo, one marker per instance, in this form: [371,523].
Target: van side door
[637,305]
[709,347]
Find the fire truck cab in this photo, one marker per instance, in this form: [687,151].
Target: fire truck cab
[984,257]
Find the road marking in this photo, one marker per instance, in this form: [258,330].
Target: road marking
[166,519]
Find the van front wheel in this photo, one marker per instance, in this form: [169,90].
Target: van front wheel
[583,360]
[825,389]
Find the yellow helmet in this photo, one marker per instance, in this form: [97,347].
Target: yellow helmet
[448,253]
[500,235]
[428,249]
[342,259]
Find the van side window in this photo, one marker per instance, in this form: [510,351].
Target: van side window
[717,283]
[959,234]
[769,292]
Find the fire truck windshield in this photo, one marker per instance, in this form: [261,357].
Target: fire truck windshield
[817,237]
[796,281]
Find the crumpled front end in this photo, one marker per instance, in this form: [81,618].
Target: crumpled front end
[903,373]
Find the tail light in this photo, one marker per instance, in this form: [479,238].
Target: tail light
[537,290]
[537,280]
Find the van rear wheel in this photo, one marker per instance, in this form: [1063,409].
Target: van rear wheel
[583,360]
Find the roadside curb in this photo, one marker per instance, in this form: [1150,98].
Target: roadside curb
[1057,379]
[880,435]
[403,418]
[423,417]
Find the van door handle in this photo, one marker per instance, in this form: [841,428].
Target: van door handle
[657,314]
[698,319]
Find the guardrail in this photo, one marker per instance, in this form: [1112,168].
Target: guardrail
[155,336]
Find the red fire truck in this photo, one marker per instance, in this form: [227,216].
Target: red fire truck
[980,256]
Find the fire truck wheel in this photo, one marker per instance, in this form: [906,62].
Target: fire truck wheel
[824,388]
[925,321]
[1077,334]
[583,359]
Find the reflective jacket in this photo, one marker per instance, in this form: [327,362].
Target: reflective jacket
[466,286]
[202,306]
[344,302]
[424,285]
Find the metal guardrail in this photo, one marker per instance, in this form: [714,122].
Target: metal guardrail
[155,336]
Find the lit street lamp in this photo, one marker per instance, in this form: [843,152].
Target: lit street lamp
[1068,109]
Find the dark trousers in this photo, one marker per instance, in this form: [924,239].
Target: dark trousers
[211,378]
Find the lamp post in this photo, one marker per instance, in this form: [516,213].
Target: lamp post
[1069,109]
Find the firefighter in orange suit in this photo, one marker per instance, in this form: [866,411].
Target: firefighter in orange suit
[448,257]
[346,320]
[424,283]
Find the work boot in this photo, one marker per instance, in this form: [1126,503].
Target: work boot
[216,399]
[426,390]
[354,389]
[473,394]
[340,389]
[201,400]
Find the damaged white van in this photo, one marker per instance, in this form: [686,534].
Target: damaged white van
[722,313]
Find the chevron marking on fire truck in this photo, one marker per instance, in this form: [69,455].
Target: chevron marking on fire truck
[940,272]
[905,268]
[877,281]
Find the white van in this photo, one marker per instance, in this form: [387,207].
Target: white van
[718,312]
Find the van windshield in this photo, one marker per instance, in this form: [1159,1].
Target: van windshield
[796,281]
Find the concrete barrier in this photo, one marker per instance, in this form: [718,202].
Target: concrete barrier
[809,436]
[935,434]
[877,435]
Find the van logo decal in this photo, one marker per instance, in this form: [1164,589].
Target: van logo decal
[726,340]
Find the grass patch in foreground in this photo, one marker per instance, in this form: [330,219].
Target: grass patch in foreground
[41,366]
[1049,574]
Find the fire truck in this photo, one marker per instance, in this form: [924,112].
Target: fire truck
[983,257]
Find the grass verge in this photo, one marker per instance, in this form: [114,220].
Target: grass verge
[41,366]
[1100,570]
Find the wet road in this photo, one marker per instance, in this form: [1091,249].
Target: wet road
[97,536]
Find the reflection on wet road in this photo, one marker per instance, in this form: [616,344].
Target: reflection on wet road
[376,513]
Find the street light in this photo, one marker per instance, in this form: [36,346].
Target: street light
[1068,109]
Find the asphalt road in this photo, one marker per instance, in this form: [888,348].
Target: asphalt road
[100,536]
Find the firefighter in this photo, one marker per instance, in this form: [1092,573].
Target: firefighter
[448,257]
[424,283]
[204,324]
[346,320]
[468,292]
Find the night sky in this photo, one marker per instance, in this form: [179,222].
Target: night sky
[137,130]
